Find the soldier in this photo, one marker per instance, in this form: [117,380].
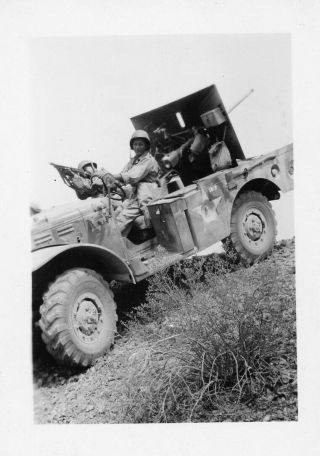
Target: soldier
[142,174]
[91,185]
[195,160]
[200,158]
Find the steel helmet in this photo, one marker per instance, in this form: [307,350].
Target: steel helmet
[140,134]
[85,163]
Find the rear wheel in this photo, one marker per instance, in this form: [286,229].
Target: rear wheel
[78,317]
[253,226]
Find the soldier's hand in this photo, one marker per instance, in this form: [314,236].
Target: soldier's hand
[96,181]
[191,157]
[98,173]
[77,180]
[108,179]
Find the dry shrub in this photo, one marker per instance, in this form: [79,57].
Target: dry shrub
[216,340]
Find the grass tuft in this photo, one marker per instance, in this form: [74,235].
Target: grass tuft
[219,338]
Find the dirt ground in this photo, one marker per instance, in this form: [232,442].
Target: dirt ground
[97,394]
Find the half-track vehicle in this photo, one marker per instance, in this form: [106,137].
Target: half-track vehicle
[78,250]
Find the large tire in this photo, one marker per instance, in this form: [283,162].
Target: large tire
[78,317]
[253,227]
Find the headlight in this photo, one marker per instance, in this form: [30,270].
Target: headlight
[39,218]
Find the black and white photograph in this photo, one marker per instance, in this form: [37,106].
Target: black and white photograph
[161,255]
[162,229]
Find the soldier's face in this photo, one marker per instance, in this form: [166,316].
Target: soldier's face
[139,146]
[88,169]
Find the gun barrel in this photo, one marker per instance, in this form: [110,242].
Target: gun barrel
[240,101]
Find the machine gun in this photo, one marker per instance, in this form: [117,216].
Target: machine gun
[68,173]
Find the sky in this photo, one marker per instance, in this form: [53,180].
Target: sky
[83,92]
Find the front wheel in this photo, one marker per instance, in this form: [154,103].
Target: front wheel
[78,317]
[253,226]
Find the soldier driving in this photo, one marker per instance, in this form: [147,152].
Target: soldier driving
[139,178]
[141,172]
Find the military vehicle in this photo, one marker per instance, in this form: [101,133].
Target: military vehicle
[78,250]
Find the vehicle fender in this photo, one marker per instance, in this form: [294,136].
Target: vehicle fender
[258,176]
[112,264]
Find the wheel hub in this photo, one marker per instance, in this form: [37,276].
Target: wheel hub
[87,317]
[254,226]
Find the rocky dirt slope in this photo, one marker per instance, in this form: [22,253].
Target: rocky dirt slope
[99,394]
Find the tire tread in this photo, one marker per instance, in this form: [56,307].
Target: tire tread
[55,333]
[243,254]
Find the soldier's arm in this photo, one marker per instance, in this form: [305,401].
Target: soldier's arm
[199,144]
[186,145]
[138,172]
[84,188]
[81,183]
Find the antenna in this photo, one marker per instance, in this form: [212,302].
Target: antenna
[240,101]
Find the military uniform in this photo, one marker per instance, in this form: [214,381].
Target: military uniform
[86,187]
[142,174]
[195,162]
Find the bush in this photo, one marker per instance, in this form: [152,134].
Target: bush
[216,340]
